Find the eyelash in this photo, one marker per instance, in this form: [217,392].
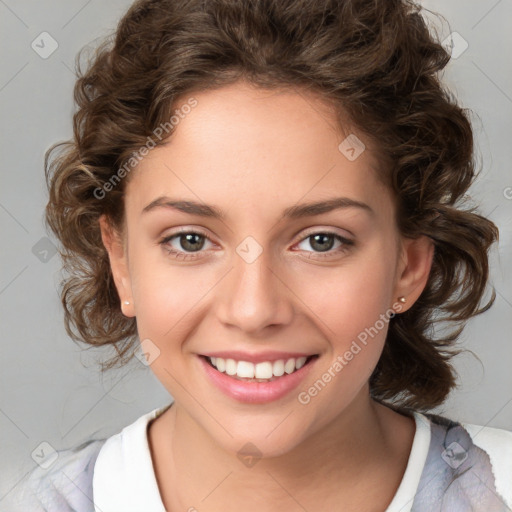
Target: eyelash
[346,243]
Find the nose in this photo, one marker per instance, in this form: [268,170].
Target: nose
[254,296]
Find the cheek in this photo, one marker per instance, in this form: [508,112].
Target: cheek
[352,310]
[348,304]
[164,296]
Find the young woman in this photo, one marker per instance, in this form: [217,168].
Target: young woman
[267,195]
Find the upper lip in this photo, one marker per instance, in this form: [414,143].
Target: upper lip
[256,357]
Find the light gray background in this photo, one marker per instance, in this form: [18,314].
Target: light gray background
[51,390]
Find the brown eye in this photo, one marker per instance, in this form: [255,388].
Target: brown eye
[191,241]
[185,245]
[323,243]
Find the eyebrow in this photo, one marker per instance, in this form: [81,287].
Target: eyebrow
[293,212]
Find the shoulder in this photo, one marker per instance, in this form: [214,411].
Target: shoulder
[497,443]
[65,481]
[63,484]
[467,464]
[491,439]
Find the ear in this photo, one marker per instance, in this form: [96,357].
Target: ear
[413,269]
[119,265]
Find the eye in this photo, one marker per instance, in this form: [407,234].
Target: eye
[184,244]
[324,241]
[188,245]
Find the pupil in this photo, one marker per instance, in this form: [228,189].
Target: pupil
[321,239]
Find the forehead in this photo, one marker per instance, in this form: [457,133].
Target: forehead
[246,147]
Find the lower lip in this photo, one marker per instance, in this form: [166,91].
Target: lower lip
[256,392]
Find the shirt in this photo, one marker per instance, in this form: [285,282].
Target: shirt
[452,467]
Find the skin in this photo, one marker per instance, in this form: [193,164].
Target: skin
[253,153]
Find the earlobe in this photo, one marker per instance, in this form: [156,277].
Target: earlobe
[118,264]
[417,258]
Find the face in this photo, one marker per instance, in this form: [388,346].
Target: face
[224,265]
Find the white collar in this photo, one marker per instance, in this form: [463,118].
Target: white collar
[124,478]
[404,496]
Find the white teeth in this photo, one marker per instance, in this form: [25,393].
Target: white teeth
[289,366]
[278,368]
[220,364]
[263,370]
[230,366]
[245,370]
[300,362]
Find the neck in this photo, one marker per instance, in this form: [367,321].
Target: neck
[344,458]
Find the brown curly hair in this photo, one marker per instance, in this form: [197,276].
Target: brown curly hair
[376,61]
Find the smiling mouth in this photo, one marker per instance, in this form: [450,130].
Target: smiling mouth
[265,371]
